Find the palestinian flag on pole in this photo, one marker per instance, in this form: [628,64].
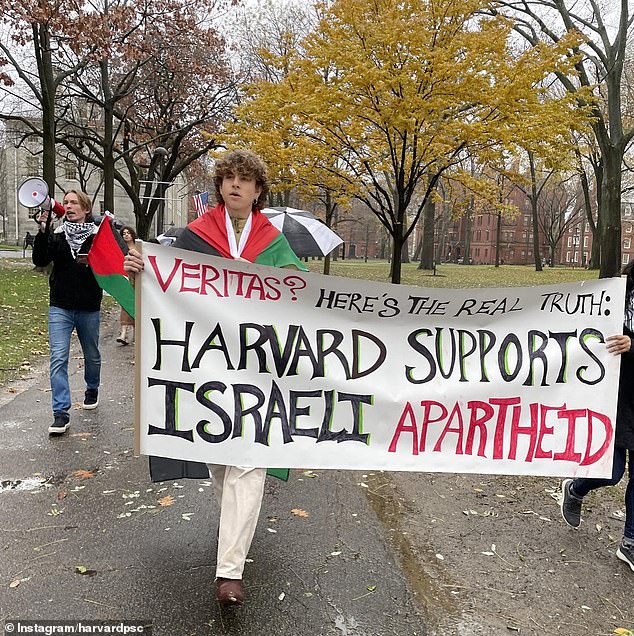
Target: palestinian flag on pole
[105,258]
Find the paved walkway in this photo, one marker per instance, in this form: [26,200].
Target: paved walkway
[83,503]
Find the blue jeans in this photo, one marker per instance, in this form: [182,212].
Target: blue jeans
[582,486]
[61,323]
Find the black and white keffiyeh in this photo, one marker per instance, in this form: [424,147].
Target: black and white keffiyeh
[76,234]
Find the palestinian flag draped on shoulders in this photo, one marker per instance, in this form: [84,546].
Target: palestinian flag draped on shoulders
[266,245]
[105,258]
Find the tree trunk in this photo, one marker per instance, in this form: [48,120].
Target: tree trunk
[427,257]
[611,214]
[108,138]
[405,245]
[397,249]
[595,253]
[47,84]
[498,235]
[537,257]
[466,259]
[331,219]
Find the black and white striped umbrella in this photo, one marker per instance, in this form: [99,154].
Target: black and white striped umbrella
[306,234]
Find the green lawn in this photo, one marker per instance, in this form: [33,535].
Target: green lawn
[24,297]
[23,316]
[450,275]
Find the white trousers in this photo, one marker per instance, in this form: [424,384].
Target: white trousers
[239,491]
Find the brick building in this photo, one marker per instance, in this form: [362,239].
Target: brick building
[576,245]
[516,236]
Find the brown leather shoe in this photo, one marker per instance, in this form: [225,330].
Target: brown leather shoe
[229,591]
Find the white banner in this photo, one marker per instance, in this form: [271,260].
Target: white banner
[255,366]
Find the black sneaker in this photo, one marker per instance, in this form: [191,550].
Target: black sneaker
[570,505]
[91,399]
[60,425]
[626,554]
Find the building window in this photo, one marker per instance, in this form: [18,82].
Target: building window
[626,258]
[627,243]
[585,241]
[585,257]
[569,241]
[567,257]
[32,164]
[70,170]
[628,229]
[587,227]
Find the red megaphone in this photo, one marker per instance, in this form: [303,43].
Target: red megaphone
[33,193]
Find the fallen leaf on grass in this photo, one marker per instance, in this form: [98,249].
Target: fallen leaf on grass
[54,512]
[61,494]
[309,473]
[168,500]
[187,516]
[623,632]
[371,588]
[12,390]
[84,434]
[83,474]
[298,512]
[84,571]
[15,583]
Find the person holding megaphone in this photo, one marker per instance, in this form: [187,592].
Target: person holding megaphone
[75,302]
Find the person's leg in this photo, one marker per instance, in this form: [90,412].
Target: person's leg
[88,331]
[60,328]
[574,490]
[625,551]
[123,335]
[217,473]
[629,500]
[242,492]
[580,487]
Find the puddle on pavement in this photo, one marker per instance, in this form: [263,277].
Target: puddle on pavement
[30,483]
[439,608]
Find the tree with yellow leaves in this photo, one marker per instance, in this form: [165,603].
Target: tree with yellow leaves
[389,94]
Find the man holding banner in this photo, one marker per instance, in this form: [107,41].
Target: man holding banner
[234,229]
[75,302]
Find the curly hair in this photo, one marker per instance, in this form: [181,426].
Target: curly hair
[131,230]
[246,164]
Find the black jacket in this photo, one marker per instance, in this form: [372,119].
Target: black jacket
[625,408]
[72,285]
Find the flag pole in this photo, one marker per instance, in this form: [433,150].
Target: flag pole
[138,245]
